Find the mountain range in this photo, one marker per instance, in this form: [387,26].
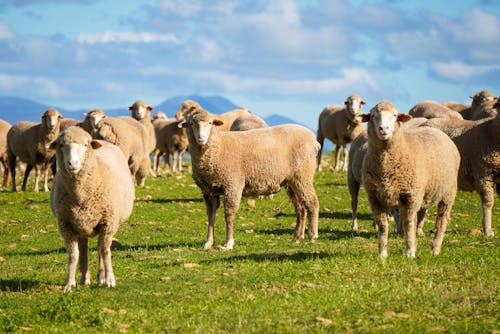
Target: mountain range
[15,109]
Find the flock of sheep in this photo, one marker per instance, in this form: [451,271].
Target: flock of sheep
[407,164]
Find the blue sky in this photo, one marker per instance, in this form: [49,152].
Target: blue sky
[290,57]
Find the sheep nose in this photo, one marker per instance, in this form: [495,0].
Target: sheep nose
[73,165]
[384,129]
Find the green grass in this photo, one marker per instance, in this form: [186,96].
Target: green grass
[266,284]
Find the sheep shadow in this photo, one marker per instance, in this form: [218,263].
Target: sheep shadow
[274,257]
[59,250]
[17,285]
[331,215]
[170,200]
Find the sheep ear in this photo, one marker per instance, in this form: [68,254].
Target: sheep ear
[95,144]
[404,118]
[365,118]
[150,108]
[346,102]
[60,116]
[182,124]
[363,102]
[130,108]
[217,122]
[53,145]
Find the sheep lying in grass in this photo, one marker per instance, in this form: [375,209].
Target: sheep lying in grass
[92,195]
[224,164]
[479,145]
[30,142]
[4,128]
[401,172]
[432,109]
[340,125]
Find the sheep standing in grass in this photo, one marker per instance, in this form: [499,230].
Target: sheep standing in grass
[256,162]
[92,195]
[141,112]
[171,140]
[340,125]
[479,145]
[30,142]
[92,118]
[4,128]
[400,171]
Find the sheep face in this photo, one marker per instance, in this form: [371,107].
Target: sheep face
[72,147]
[200,124]
[140,110]
[50,118]
[186,108]
[95,116]
[481,97]
[384,119]
[354,104]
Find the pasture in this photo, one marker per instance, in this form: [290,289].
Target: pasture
[167,284]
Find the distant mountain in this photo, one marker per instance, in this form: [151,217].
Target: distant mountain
[214,104]
[15,109]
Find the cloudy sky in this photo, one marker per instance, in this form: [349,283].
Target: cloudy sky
[290,57]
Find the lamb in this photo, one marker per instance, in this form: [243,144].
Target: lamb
[223,164]
[4,128]
[340,125]
[30,142]
[141,111]
[92,195]
[479,145]
[248,122]
[432,109]
[401,172]
[170,140]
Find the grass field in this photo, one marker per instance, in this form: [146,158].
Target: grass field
[167,283]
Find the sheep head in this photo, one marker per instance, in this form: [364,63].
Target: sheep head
[384,120]
[481,97]
[186,108]
[140,110]
[95,116]
[160,115]
[50,118]
[72,147]
[199,125]
[354,104]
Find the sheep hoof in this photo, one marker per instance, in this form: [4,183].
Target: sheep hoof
[436,250]
[489,233]
[229,244]
[110,282]
[207,245]
[420,233]
[68,286]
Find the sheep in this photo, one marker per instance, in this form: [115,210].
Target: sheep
[223,164]
[159,115]
[30,142]
[432,109]
[340,125]
[186,107]
[131,137]
[479,145]
[170,140]
[474,110]
[92,118]
[457,107]
[92,195]
[401,172]
[67,122]
[4,128]
[248,122]
[141,111]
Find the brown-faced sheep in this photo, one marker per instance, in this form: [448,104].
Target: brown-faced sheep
[340,125]
[223,164]
[4,128]
[30,142]
[432,109]
[479,145]
[92,195]
[401,172]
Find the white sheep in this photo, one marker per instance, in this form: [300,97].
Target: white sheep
[4,128]
[401,172]
[340,125]
[432,109]
[141,111]
[248,122]
[479,145]
[92,118]
[131,137]
[30,142]
[92,195]
[256,162]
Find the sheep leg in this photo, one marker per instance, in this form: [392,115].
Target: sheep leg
[442,219]
[156,159]
[300,213]
[106,275]
[487,199]
[12,167]
[380,220]
[83,261]
[175,163]
[45,171]
[336,165]
[72,247]
[354,191]
[420,222]
[212,204]
[6,172]
[408,220]
[27,172]
[37,177]
[231,206]
[346,158]
[320,140]
[181,154]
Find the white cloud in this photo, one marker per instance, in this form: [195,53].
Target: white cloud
[6,32]
[126,37]
[183,8]
[12,84]
[456,70]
